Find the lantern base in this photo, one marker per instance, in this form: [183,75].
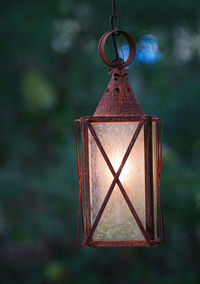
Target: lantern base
[152,243]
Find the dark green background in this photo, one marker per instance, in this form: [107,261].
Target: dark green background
[44,86]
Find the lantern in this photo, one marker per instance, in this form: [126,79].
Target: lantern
[120,165]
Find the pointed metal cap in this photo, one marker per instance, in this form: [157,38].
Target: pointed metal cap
[118,98]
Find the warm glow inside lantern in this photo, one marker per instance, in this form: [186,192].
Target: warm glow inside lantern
[119,171]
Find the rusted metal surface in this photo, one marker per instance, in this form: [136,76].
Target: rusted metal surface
[85,178]
[102,52]
[152,243]
[119,98]
[88,230]
[149,176]
[119,104]
[118,118]
[162,224]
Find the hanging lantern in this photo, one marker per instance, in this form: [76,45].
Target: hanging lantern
[120,164]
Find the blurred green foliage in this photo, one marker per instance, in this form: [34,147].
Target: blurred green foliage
[51,74]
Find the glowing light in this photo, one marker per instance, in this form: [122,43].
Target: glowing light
[126,171]
[117,221]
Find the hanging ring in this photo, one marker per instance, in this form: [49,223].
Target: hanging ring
[102,53]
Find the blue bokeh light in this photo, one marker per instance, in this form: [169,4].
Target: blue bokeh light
[147,51]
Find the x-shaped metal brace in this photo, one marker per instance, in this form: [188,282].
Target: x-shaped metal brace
[116,180]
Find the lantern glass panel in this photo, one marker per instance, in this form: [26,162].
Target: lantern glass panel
[155,152]
[117,221]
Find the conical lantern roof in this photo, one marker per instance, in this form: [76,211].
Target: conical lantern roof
[118,98]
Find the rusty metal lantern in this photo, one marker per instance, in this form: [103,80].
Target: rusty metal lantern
[120,165]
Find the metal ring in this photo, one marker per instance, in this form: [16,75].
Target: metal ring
[102,53]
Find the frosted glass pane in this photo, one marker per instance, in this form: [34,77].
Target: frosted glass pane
[155,174]
[117,222]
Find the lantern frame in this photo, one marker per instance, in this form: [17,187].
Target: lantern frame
[119,104]
[84,211]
